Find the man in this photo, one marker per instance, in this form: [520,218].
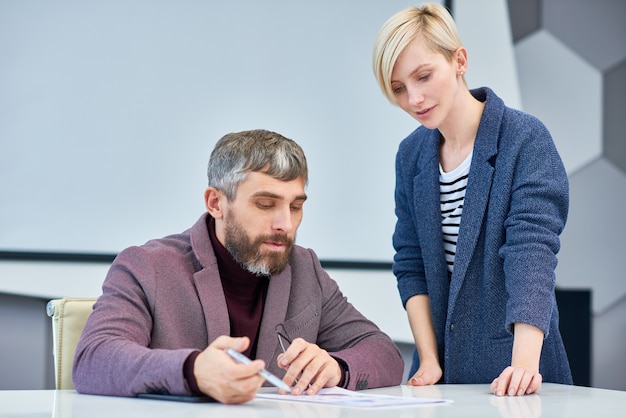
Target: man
[235,280]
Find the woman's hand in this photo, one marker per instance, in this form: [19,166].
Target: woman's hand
[421,322]
[427,374]
[522,376]
[516,381]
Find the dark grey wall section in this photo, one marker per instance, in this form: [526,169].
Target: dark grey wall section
[615,115]
[525,17]
[25,344]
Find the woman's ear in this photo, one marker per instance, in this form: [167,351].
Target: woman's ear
[213,200]
[460,59]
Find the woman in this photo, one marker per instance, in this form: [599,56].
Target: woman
[481,198]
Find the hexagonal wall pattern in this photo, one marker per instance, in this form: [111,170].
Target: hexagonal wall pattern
[581,104]
[548,93]
[571,59]
[595,29]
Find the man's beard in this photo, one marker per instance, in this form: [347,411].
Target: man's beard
[248,253]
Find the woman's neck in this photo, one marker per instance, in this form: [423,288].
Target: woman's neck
[459,131]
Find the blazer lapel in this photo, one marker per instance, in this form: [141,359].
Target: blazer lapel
[208,283]
[274,313]
[211,294]
[428,210]
[476,200]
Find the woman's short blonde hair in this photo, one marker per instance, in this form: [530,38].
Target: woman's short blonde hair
[432,22]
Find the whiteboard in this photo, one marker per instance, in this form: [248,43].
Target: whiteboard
[109,111]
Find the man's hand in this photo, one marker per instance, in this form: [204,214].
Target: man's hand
[221,378]
[310,366]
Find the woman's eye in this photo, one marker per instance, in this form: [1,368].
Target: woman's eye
[397,89]
[424,77]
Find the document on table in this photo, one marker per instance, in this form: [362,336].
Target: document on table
[344,397]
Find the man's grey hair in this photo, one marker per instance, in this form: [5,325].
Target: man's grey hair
[239,153]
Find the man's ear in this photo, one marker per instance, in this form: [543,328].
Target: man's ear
[214,202]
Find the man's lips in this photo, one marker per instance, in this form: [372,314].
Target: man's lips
[276,246]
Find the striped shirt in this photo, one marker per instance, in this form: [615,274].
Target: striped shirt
[452,187]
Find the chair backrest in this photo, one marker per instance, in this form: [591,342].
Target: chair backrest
[68,320]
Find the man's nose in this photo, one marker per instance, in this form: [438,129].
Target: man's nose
[283,220]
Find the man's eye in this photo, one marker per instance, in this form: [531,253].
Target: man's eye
[296,208]
[264,205]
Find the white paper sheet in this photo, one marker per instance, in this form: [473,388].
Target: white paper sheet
[348,398]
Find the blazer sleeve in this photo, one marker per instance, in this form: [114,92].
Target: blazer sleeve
[537,215]
[113,355]
[408,266]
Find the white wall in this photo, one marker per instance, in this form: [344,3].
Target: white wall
[109,110]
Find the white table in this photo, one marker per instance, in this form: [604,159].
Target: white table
[469,401]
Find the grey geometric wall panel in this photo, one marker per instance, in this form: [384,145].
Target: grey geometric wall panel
[615,115]
[571,60]
[572,110]
[592,244]
[595,29]
[525,17]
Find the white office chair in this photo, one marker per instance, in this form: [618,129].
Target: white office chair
[68,320]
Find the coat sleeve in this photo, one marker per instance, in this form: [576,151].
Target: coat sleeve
[408,266]
[537,215]
[113,355]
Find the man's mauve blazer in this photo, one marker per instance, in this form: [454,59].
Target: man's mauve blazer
[515,207]
[163,300]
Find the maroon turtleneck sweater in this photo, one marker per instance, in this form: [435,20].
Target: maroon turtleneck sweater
[245,295]
[244,291]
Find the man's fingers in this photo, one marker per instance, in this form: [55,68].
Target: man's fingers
[223,342]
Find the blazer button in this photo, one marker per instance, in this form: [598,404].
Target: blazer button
[452,327]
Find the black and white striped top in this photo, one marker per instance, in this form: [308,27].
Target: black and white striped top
[452,187]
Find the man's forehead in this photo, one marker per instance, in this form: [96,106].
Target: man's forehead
[259,184]
[272,195]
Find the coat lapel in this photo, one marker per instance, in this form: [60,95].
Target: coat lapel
[274,313]
[211,294]
[208,283]
[476,196]
[427,208]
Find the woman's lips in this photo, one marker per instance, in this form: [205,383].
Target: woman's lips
[423,114]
